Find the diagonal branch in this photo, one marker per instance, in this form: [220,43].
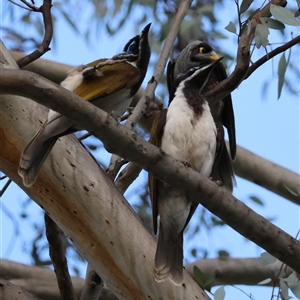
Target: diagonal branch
[243,166]
[143,104]
[272,54]
[226,86]
[123,142]
[57,255]
[45,9]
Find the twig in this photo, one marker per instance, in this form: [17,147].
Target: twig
[122,141]
[24,7]
[146,98]
[84,136]
[272,54]
[127,176]
[7,183]
[57,255]
[93,285]
[44,46]
[243,56]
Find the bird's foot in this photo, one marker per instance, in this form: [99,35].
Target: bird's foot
[91,71]
[212,86]
[186,164]
[217,182]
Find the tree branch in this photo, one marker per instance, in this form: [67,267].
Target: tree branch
[271,176]
[143,104]
[123,142]
[243,166]
[41,282]
[272,54]
[9,291]
[45,9]
[226,86]
[57,255]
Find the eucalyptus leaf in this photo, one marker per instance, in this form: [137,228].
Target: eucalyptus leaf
[281,72]
[219,293]
[266,258]
[283,15]
[266,281]
[256,200]
[284,290]
[294,284]
[271,23]
[231,27]
[261,35]
[245,5]
[199,276]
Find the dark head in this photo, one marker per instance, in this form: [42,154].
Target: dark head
[195,54]
[139,45]
[198,76]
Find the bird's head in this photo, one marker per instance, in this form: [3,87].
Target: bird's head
[137,51]
[196,54]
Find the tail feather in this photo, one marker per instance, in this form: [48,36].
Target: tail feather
[169,258]
[33,157]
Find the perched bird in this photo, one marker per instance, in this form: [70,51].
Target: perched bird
[110,84]
[186,131]
[200,54]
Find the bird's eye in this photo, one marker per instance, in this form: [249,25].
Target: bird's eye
[132,49]
[203,50]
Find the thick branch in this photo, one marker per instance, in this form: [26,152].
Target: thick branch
[41,282]
[243,166]
[239,271]
[271,176]
[9,291]
[127,144]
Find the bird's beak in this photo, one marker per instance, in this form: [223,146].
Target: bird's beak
[214,57]
[212,65]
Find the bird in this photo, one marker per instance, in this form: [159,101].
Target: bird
[110,84]
[185,130]
[199,53]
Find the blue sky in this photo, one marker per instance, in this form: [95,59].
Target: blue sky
[266,126]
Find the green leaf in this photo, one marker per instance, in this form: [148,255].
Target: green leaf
[261,35]
[231,27]
[283,15]
[202,280]
[217,221]
[194,252]
[265,259]
[294,284]
[223,254]
[265,281]
[245,5]
[271,23]
[219,293]
[248,27]
[199,276]
[281,72]
[284,290]
[256,200]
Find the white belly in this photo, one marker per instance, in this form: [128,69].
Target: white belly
[190,138]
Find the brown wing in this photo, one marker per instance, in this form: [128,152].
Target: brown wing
[156,134]
[227,113]
[222,168]
[116,76]
[170,79]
